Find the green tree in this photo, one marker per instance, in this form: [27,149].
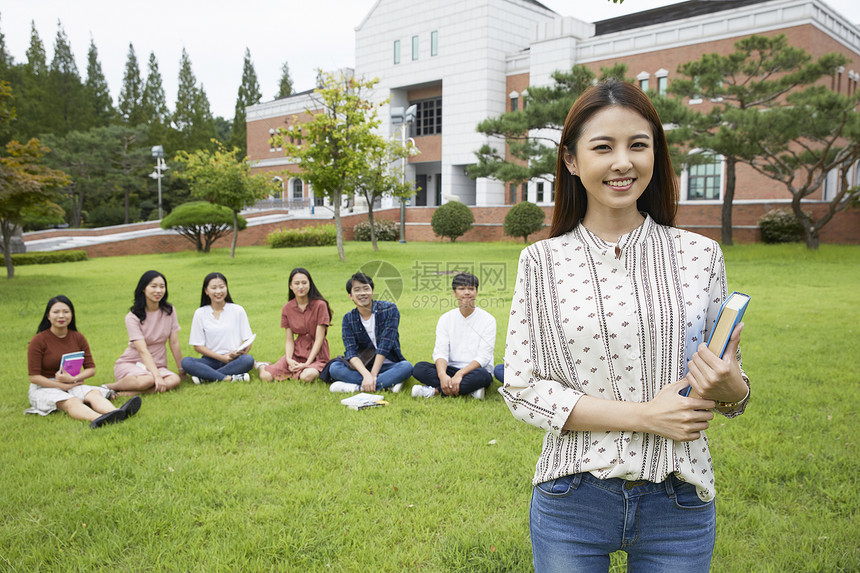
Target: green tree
[381,175]
[24,182]
[192,118]
[756,76]
[336,139]
[452,220]
[128,103]
[6,61]
[814,136]
[66,91]
[97,94]
[285,86]
[153,103]
[224,178]
[523,219]
[31,92]
[249,94]
[202,223]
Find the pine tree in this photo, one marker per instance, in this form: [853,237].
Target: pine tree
[285,87]
[192,117]
[36,58]
[31,92]
[249,94]
[66,95]
[5,59]
[96,90]
[153,104]
[128,102]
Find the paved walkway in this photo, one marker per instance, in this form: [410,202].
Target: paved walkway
[80,238]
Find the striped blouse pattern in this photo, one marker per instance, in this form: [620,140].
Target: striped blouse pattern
[613,323]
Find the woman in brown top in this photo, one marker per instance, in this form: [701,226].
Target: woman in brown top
[306,317]
[51,387]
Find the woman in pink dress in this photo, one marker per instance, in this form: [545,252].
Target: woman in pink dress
[152,324]
[306,317]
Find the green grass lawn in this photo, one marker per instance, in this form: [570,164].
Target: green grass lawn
[282,477]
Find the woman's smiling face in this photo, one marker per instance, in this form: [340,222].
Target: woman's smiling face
[614,159]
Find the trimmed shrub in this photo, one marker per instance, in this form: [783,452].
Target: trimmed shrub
[314,236]
[780,226]
[523,219]
[452,220]
[46,257]
[385,230]
[202,223]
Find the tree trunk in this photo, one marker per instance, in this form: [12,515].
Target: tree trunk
[7,231]
[810,232]
[127,193]
[337,198]
[372,226]
[235,233]
[729,197]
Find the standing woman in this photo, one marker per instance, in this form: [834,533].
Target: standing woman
[306,316]
[151,324]
[51,387]
[608,323]
[218,329]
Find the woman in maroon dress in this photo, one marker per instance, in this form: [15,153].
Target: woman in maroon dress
[306,317]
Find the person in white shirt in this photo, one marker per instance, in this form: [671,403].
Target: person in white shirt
[218,330]
[463,354]
[607,329]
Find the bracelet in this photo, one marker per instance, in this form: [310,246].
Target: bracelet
[731,405]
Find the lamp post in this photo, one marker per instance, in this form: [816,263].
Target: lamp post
[403,119]
[160,167]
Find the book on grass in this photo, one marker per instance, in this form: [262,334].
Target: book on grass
[72,363]
[363,400]
[731,313]
[246,344]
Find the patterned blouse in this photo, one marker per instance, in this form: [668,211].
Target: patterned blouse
[585,321]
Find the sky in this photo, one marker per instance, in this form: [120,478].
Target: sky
[307,35]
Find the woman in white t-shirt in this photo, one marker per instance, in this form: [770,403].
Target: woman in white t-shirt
[218,330]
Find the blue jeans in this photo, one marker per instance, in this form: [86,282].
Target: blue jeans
[207,368]
[576,521]
[499,373]
[389,374]
[425,372]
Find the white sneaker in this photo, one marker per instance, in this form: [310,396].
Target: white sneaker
[397,387]
[258,365]
[344,387]
[241,377]
[422,391]
[195,379]
[478,394]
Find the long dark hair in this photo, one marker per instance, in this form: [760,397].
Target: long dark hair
[46,324]
[660,198]
[204,298]
[138,309]
[313,292]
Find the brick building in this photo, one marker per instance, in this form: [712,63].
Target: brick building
[461,62]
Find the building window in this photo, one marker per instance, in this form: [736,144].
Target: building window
[414,47]
[297,189]
[396,51]
[428,120]
[662,76]
[643,80]
[434,43]
[513,199]
[525,196]
[539,197]
[704,181]
[515,102]
[280,183]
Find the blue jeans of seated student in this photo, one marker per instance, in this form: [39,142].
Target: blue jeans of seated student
[207,368]
[499,372]
[389,374]
[576,521]
[425,372]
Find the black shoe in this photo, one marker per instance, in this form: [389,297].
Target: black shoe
[109,418]
[132,406]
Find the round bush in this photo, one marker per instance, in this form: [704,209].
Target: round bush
[780,226]
[452,220]
[385,230]
[523,219]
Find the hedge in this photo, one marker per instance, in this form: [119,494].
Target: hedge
[46,257]
[314,236]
